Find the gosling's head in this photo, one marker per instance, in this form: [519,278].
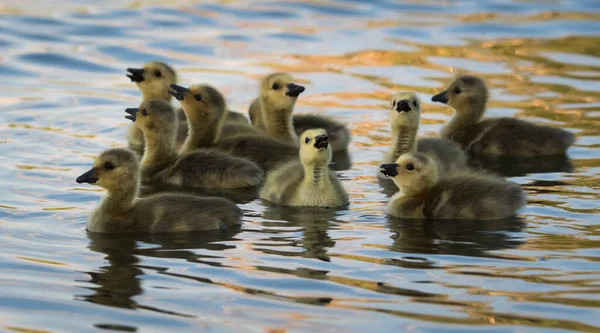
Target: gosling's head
[113,170]
[314,147]
[279,92]
[154,117]
[412,173]
[153,79]
[201,103]
[406,110]
[463,93]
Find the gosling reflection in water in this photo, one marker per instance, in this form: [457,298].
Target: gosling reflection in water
[316,223]
[457,237]
[120,281]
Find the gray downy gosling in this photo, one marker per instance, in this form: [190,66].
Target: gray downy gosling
[307,181]
[339,135]
[206,111]
[204,168]
[468,96]
[425,193]
[120,211]
[405,118]
[277,97]
[153,81]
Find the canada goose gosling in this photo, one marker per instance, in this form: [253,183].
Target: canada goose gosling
[206,111]
[206,168]
[117,170]
[278,95]
[425,193]
[153,81]
[307,182]
[404,119]
[468,95]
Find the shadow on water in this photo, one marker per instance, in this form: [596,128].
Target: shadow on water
[120,280]
[459,237]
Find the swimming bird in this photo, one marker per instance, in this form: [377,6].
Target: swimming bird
[339,135]
[307,181]
[206,111]
[117,170]
[277,97]
[405,118]
[205,168]
[468,95]
[153,80]
[427,193]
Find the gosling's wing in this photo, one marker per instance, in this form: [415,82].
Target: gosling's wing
[282,182]
[449,155]
[515,137]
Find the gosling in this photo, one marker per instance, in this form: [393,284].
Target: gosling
[206,111]
[306,182]
[205,168]
[260,113]
[468,96]
[424,193]
[277,98]
[117,170]
[405,118]
[153,80]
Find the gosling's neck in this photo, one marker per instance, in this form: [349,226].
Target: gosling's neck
[467,116]
[316,174]
[201,134]
[278,122]
[119,200]
[159,152]
[404,141]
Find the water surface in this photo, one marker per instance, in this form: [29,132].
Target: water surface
[62,98]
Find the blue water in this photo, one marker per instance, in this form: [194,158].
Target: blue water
[62,95]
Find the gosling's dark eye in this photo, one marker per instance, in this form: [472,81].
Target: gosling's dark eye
[394,104]
[108,166]
[198,97]
[307,140]
[457,90]
[416,104]
[409,167]
[157,73]
[144,112]
[276,86]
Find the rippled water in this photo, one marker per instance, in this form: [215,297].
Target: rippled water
[63,91]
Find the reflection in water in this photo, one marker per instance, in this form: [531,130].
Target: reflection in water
[459,237]
[120,281]
[315,223]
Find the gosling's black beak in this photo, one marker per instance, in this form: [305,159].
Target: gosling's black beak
[132,112]
[402,106]
[88,177]
[294,90]
[321,141]
[178,91]
[441,97]
[389,170]
[135,74]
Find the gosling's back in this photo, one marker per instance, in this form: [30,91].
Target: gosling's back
[169,213]
[474,196]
